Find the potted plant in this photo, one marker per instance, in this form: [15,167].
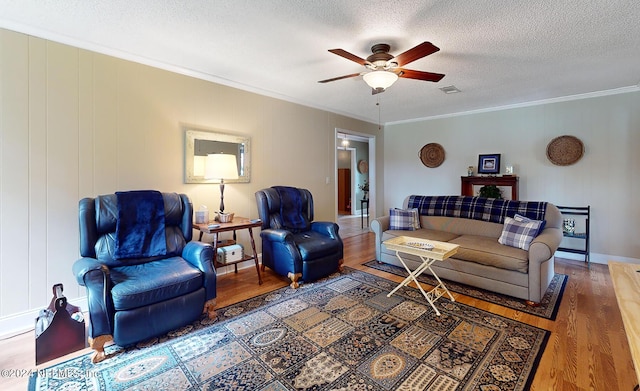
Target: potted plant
[490,191]
[365,189]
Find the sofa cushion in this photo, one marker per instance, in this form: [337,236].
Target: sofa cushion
[519,234]
[404,219]
[422,233]
[462,226]
[487,251]
[152,282]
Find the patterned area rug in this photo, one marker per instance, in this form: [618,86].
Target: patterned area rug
[340,333]
[547,309]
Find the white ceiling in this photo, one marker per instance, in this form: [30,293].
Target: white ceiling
[499,53]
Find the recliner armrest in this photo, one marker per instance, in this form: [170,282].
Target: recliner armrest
[200,255]
[83,266]
[276,235]
[95,276]
[326,228]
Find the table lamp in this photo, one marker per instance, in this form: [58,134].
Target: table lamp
[221,166]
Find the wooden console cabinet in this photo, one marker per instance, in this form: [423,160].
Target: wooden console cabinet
[468,182]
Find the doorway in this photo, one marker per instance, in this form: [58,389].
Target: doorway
[355,152]
[346,180]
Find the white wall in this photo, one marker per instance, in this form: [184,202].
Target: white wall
[77,124]
[607,177]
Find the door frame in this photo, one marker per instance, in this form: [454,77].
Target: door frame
[371,141]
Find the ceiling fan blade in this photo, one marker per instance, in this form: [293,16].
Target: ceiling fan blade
[348,56]
[420,75]
[419,51]
[339,78]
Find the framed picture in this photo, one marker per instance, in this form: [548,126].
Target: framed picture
[489,164]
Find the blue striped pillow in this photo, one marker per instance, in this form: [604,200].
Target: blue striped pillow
[519,234]
[524,219]
[404,219]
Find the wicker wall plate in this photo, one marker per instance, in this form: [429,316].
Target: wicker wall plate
[432,155]
[565,150]
[363,166]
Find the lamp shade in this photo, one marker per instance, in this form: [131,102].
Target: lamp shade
[380,79]
[221,166]
[198,165]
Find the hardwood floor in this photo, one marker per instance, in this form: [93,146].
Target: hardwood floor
[352,225]
[587,349]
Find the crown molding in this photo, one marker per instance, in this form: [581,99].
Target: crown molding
[588,95]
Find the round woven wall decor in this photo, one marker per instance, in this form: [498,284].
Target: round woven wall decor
[565,150]
[432,155]
[363,166]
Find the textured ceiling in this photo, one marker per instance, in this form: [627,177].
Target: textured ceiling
[498,53]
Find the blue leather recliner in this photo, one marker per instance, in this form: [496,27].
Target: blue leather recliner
[293,245]
[144,276]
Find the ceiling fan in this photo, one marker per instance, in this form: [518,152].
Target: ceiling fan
[385,69]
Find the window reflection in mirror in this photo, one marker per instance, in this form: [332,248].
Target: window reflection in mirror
[199,143]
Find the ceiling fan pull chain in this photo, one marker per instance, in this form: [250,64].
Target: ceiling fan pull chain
[378,104]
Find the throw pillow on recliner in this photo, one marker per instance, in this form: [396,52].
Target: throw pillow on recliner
[404,219]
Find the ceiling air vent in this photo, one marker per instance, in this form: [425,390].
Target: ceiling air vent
[450,89]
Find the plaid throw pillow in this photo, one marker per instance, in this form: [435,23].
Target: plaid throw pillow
[404,219]
[519,234]
[524,219]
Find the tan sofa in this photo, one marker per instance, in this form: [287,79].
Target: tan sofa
[480,261]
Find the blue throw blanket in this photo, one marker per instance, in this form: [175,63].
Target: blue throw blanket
[140,229]
[478,208]
[293,218]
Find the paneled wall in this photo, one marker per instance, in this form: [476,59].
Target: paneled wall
[607,177]
[76,124]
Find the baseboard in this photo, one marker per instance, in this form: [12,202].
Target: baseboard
[596,258]
[222,270]
[25,322]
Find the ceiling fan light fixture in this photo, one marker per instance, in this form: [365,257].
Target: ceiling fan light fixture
[371,66]
[390,65]
[380,79]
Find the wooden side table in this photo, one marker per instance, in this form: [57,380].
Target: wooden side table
[238,223]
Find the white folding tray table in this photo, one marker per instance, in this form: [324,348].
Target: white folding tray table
[429,251]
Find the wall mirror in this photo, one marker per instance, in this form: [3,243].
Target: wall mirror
[199,143]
